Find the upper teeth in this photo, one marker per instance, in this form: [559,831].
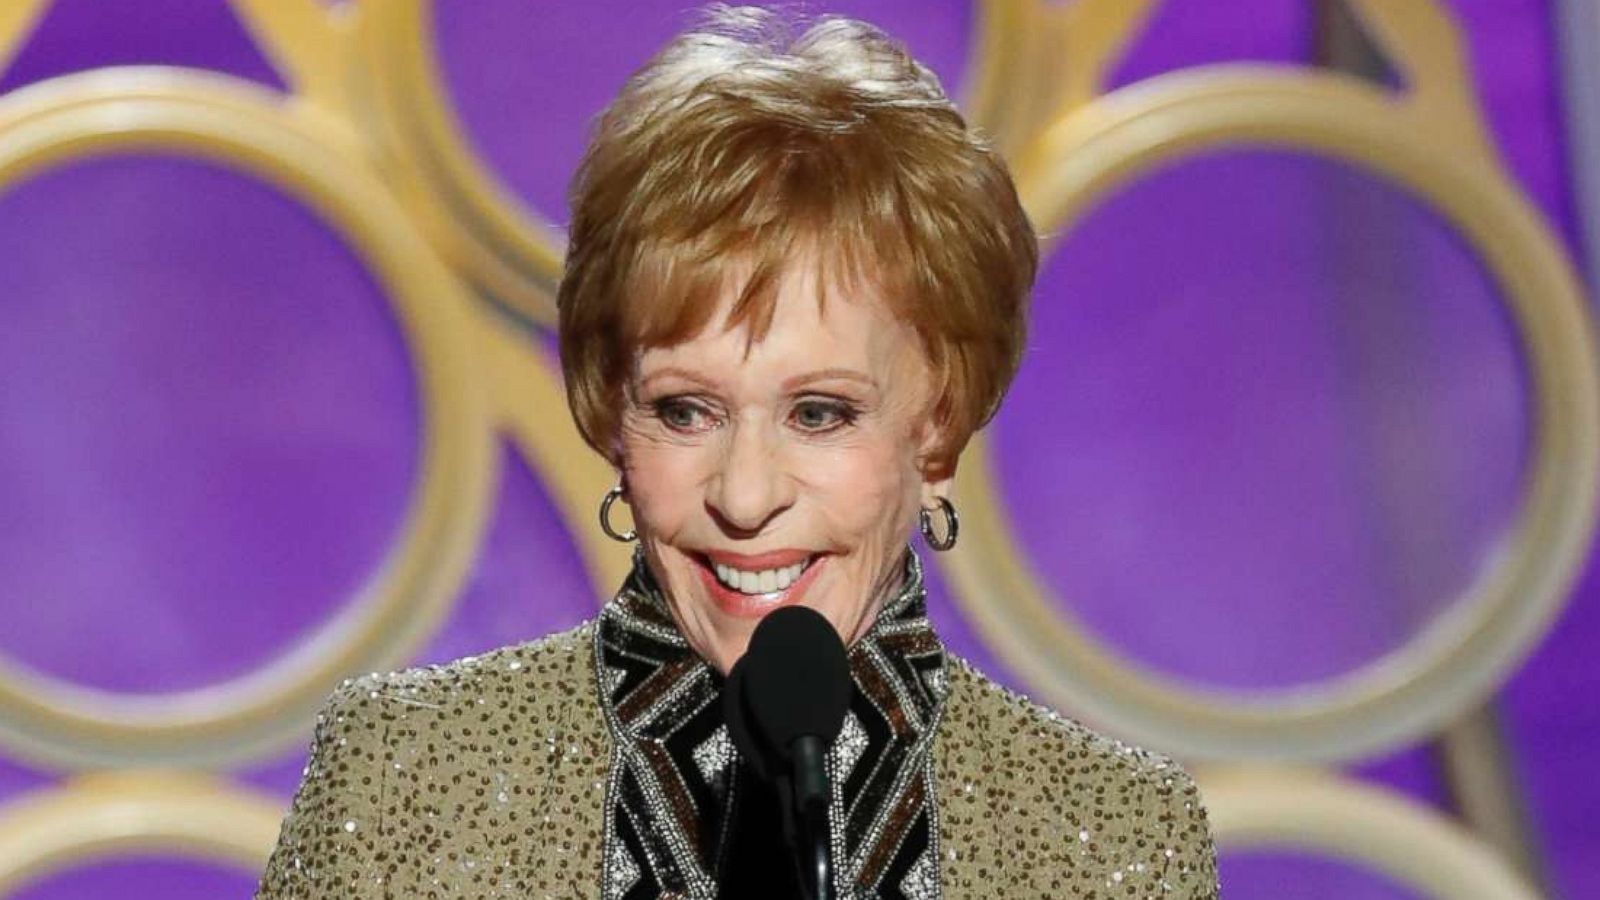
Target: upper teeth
[763,582]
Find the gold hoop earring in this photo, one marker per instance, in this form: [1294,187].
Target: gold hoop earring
[621,537]
[952,525]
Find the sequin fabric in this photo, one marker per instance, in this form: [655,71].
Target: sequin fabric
[482,778]
[673,790]
[1034,804]
[488,777]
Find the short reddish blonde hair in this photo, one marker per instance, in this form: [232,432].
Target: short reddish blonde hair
[740,143]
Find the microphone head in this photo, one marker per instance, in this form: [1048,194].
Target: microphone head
[793,681]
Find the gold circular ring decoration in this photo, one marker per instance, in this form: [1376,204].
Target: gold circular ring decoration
[1331,817]
[1466,651]
[508,252]
[247,129]
[103,816]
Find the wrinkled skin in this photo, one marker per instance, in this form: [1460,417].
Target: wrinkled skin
[814,439]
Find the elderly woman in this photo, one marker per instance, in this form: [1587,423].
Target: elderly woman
[796,285]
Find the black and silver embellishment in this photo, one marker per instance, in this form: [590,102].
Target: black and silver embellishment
[671,789]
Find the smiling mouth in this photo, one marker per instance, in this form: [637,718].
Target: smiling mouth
[758,582]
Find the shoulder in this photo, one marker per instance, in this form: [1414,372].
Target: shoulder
[547,683]
[1031,734]
[537,676]
[1091,810]
[475,705]
[461,755]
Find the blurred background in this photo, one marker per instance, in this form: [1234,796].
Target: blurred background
[1297,482]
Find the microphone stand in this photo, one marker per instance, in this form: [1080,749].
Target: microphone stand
[807,800]
[784,729]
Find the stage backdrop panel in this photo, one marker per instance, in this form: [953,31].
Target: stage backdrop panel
[280,406]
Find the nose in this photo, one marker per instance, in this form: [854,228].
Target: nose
[750,487]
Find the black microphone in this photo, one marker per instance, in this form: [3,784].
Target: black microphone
[785,701]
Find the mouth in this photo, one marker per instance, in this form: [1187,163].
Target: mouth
[752,586]
[760,581]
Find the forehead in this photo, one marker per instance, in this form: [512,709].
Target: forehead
[815,322]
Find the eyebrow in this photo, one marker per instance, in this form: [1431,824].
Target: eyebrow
[678,371]
[796,381]
[789,384]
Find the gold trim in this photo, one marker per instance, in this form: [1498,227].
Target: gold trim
[1330,816]
[1037,60]
[531,408]
[106,815]
[17,21]
[1480,766]
[509,253]
[1465,653]
[311,44]
[238,125]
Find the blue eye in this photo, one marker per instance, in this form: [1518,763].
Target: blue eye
[822,415]
[681,414]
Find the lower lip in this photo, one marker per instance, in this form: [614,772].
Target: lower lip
[754,606]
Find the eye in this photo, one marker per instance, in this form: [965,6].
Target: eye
[818,415]
[684,414]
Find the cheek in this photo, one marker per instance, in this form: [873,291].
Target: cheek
[663,482]
[866,492]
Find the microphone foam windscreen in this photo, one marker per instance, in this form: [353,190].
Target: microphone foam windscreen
[795,678]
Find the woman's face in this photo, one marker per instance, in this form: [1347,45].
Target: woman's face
[789,471]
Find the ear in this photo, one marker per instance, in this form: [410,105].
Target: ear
[936,462]
[614,455]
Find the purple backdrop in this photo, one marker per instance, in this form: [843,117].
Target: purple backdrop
[1309,418]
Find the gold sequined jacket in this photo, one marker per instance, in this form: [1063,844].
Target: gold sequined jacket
[547,769]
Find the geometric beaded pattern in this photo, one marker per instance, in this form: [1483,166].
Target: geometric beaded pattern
[672,786]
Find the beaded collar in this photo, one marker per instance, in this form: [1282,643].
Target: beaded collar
[672,787]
